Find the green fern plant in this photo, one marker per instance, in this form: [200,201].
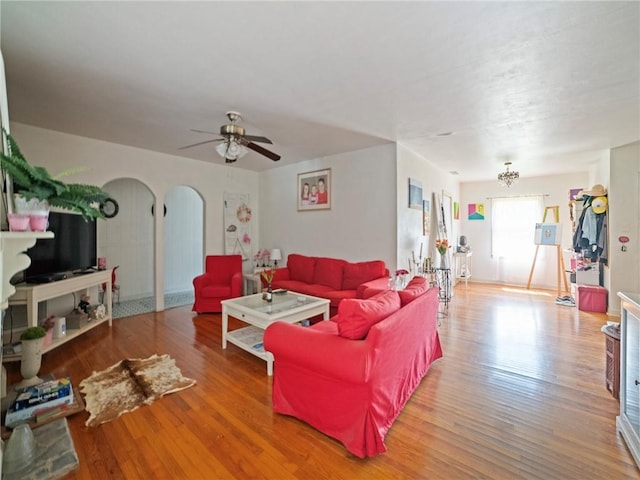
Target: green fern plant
[36,182]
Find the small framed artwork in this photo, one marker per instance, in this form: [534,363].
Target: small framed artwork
[314,190]
[415,194]
[426,217]
[476,211]
[548,234]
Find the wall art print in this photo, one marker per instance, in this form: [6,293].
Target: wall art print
[456,210]
[237,225]
[476,211]
[415,194]
[314,190]
[426,217]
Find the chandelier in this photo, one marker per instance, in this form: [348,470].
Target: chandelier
[231,150]
[506,179]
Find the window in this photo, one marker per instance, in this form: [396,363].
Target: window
[513,222]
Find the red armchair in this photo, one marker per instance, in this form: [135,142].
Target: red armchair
[221,280]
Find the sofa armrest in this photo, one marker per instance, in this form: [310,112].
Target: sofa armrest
[201,281]
[236,284]
[320,352]
[372,287]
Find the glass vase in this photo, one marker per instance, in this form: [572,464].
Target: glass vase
[443,260]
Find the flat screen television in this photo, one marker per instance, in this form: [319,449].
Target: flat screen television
[73,248]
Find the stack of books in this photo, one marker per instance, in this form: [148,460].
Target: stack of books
[40,402]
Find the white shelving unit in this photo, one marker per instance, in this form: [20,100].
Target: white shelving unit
[31,295]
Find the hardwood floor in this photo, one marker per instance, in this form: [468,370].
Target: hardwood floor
[519,394]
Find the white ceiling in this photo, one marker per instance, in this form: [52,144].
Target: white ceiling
[549,85]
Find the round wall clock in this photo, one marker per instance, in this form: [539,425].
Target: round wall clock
[109,208]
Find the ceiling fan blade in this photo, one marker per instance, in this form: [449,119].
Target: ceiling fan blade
[200,143]
[204,131]
[263,151]
[254,138]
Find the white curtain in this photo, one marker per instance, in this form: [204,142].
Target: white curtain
[513,221]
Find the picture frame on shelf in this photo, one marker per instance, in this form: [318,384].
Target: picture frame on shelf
[314,190]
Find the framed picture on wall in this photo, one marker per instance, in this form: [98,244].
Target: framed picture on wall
[415,194]
[426,217]
[314,190]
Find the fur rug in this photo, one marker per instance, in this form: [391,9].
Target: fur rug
[130,384]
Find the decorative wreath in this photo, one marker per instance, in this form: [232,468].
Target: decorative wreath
[243,213]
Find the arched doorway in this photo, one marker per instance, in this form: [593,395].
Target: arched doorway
[127,240]
[183,244]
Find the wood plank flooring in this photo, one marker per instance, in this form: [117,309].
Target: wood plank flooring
[519,394]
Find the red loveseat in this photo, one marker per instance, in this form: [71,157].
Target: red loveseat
[331,278]
[353,389]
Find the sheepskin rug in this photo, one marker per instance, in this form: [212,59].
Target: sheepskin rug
[129,384]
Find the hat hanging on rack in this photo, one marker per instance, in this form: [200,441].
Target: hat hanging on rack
[599,205]
[596,191]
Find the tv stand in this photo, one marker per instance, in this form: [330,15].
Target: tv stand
[31,294]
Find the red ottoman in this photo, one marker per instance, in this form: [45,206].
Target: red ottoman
[591,298]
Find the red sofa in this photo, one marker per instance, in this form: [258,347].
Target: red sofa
[330,278]
[349,388]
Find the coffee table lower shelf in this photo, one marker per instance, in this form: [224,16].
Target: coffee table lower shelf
[249,339]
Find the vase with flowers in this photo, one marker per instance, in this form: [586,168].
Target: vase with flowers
[267,276]
[401,278]
[442,245]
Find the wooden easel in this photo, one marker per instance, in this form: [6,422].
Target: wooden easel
[560,259]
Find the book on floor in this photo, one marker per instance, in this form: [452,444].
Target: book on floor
[38,400]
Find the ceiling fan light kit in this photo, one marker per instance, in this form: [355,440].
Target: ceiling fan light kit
[235,142]
[508,178]
[231,150]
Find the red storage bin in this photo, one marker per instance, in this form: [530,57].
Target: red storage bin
[592,299]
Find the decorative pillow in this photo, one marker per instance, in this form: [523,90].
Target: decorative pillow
[358,273]
[328,272]
[357,316]
[416,287]
[301,267]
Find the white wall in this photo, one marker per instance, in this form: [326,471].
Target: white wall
[478,232]
[409,227]
[624,219]
[160,172]
[361,224]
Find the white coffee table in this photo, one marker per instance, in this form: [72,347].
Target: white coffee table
[288,307]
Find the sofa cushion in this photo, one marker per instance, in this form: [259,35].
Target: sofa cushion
[416,287]
[357,316]
[328,272]
[301,267]
[361,272]
[216,291]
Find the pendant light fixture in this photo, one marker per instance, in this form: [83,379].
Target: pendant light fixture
[508,178]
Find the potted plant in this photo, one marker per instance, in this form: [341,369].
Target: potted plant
[32,339]
[36,190]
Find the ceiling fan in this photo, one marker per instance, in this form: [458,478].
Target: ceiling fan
[234,141]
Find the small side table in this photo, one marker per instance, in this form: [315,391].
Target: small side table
[443,281]
[251,283]
[612,348]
